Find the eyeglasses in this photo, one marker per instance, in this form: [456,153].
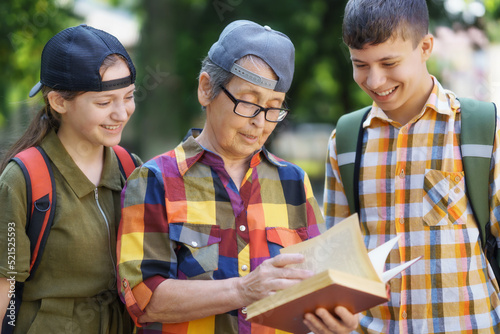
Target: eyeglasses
[250,110]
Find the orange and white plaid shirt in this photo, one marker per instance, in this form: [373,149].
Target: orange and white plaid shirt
[412,183]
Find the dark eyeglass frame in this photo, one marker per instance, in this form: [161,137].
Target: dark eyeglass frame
[283,112]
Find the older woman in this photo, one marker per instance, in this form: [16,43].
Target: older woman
[202,224]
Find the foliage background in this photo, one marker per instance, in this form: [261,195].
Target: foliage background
[176,35]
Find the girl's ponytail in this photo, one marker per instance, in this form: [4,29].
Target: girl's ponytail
[44,121]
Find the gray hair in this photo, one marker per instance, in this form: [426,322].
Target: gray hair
[220,77]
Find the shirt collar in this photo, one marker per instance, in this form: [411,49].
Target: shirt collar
[111,177]
[440,100]
[190,151]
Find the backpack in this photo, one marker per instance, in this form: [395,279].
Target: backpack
[41,195]
[476,137]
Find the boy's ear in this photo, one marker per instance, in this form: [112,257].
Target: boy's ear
[57,102]
[426,45]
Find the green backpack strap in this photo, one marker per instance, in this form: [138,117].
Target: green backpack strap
[477,137]
[348,142]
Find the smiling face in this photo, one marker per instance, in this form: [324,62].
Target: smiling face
[231,136]
[95,119]
[394,75]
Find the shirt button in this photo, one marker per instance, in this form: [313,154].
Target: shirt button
[244,310]
[125,284]
[194,243]
[457,179]
[457,190]
[244,267]
[404,315]
[402,174]
[242,228]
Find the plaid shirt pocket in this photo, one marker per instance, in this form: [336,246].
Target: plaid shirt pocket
[198,248]
[445,201]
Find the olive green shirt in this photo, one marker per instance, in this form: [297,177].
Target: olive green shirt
[74,287]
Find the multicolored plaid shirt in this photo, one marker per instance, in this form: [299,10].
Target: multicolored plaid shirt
[184,218]
[412,183]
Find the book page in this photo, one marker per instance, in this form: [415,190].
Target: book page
[340,248]
[379,255]
[389,274]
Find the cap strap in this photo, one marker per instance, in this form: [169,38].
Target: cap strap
[116,84]
[253,77]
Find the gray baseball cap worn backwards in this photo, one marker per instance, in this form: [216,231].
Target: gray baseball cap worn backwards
[241,38]
[71,61]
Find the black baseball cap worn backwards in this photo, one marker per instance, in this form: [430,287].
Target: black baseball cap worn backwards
[72,58]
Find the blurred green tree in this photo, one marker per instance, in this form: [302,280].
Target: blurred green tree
[490,22]
[177,35]
[26,26]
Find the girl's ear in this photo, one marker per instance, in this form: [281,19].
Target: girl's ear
[204,89]
[57,102]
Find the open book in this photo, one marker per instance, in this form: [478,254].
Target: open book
[345,274]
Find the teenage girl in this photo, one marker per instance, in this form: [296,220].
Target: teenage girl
[87,82]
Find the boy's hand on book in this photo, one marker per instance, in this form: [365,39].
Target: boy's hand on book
[271,276]
[323,322]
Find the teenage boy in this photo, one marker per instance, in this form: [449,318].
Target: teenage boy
[411,179]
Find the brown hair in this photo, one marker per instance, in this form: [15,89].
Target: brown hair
[372,22]
[47,119]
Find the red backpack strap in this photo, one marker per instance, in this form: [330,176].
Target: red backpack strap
[126,160]
[40,191]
